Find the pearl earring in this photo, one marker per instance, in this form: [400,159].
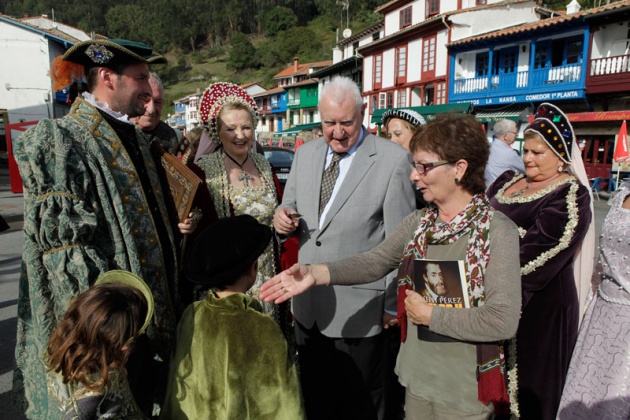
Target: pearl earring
[560,168]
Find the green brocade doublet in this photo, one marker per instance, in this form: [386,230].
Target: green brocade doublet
[85,213]
[231,362]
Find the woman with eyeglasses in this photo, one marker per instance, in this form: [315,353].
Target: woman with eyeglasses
[451,359]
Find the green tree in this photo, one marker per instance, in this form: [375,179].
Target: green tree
[278,19]
[297,42]
[90,17]
[268,54]
[243,54]
[128,21]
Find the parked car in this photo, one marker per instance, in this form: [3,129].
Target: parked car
[280,160]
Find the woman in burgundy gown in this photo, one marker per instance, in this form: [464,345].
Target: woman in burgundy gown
[552,210]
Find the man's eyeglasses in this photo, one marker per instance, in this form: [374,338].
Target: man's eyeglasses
[423,168]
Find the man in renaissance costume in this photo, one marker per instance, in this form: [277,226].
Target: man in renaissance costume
[93,202]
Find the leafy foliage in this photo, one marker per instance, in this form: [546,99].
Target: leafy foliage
[243,53]
[190,24]
[213,40]
[127,21]
[297,42]
[278,19]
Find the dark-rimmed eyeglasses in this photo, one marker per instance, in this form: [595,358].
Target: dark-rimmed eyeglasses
[423,168]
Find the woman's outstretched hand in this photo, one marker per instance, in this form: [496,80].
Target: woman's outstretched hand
[291,282]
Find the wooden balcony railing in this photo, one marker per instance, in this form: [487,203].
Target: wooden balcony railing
[517,81]
[610,65]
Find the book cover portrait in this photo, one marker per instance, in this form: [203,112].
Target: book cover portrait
[442,282]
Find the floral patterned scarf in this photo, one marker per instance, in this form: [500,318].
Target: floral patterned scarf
[473,221]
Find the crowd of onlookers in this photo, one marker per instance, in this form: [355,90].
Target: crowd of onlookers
[431,276]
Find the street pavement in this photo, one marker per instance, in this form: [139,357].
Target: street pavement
[11,209]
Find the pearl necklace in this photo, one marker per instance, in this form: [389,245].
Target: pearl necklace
[527,185]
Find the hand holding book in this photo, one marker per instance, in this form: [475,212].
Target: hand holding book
[418,310]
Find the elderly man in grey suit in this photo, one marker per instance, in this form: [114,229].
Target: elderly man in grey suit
[345,194]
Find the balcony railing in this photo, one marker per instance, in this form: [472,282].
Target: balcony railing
[518,82]
[610,65]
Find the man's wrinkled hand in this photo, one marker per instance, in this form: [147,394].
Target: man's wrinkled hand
[285,221]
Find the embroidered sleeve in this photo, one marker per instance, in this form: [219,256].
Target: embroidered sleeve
[61,214]
[549,245]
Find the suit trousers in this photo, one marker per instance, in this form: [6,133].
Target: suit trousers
[341,378]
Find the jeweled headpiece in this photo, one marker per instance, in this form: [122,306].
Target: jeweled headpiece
[216,97]
[554,127]
[409,115]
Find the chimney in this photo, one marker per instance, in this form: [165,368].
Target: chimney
[296,63]
[337,55]
[573,7]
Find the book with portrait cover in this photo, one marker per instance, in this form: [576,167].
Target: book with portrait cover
[440,283]
[182,182]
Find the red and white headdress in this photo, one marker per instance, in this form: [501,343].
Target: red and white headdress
[216,97]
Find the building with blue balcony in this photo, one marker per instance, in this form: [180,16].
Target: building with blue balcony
[530,63]
[579,61]
[272,106]
[186,113]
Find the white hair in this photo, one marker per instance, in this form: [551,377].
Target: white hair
[340,89]
[504,126]
[153,77]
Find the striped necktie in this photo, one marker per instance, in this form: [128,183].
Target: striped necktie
[328,180]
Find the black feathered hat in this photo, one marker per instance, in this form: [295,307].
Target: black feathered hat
[111,53]
[225,250]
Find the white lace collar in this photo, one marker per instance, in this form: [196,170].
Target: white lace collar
[104,106]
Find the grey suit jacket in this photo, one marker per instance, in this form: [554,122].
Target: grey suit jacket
[375,196]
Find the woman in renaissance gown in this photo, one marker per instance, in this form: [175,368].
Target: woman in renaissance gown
[597,382]
[553,211]
[239,180]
